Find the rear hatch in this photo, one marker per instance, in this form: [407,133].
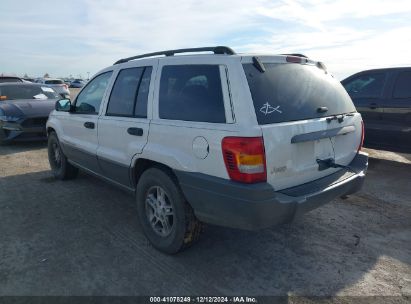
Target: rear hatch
[57,85]
[305,116]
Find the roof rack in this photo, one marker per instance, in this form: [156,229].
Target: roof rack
[215,49]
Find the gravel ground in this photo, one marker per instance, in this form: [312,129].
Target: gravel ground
[82,237]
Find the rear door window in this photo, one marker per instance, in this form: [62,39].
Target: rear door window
[289,92]
[129,95]
[191,93]
[123,95]
[402,88]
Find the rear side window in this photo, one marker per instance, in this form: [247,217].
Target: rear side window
[191,93]
[366,86]
[289,92]
[402,87]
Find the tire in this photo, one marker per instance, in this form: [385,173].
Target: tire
[2,137]
[60,167]
[169,233]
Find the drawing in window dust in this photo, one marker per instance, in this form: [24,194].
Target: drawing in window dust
[268,109]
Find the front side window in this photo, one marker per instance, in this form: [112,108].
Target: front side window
[402,87]
[191,93]
[130,93]
[89,100]
[366,86]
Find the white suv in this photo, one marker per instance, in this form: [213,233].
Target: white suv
[242,141]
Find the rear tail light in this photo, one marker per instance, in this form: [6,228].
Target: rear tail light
[65,86]
[244,159]
[362,136]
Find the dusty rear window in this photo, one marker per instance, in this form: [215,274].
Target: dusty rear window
[289,92]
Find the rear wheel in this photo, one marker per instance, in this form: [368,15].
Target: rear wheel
[166,218]
[60,167]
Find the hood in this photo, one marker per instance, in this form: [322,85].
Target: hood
[28,107]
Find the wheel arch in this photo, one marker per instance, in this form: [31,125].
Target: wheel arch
[143,164]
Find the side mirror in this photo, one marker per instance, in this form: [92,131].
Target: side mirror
[63,105]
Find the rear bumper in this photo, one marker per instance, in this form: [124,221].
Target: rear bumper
[222,202]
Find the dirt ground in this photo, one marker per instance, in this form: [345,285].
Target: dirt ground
[82,237]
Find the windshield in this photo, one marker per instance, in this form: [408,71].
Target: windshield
[289,92]
[13,92]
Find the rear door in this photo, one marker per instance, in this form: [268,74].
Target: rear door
[366,91]
[396,115]
[297,106]
[123,129]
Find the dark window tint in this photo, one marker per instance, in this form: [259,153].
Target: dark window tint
[13,92]
[366,86]
[142,96]
[288,92]
[402,87]
[89,99]
[130,92]
[191,93]
[124,93]
[56,81]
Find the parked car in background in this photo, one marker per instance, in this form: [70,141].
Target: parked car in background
[241,141]
[10,79]
[383,97]
[24,109]
[27,79]
[77,83]
[57,84]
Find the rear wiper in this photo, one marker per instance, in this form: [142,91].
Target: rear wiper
[339,117]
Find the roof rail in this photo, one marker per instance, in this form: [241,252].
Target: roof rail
[215,49]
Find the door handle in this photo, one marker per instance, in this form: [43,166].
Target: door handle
[89,125]
[135,131]
[373,105]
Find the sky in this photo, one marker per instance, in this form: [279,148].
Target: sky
[78,37]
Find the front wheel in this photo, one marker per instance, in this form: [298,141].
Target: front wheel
[166,218]
[60,167]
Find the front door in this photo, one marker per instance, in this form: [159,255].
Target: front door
[397,111]
[80,126]
[366,92]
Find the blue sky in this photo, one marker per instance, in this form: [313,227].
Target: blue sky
[74,37]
